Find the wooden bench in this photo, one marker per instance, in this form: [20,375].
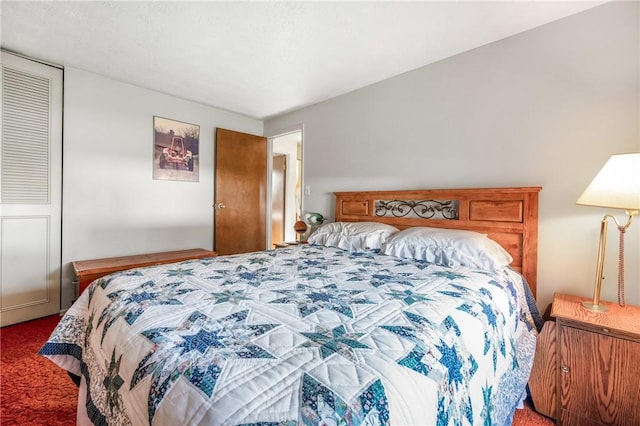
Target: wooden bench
[89,270]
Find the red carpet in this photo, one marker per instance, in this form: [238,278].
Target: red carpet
[528,417]
[34,391]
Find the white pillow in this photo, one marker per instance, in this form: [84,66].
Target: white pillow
[355,236]
[448,247]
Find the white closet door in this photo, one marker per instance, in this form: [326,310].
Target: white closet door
[30,189]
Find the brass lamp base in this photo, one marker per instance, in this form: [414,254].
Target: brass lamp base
[595,306]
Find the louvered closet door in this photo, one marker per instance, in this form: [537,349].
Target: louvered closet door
[30,189]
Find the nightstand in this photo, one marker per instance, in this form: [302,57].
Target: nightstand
[597,363]
[285,244]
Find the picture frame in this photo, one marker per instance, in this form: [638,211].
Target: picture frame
[175,150]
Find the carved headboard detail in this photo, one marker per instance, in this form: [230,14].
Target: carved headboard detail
[507,215]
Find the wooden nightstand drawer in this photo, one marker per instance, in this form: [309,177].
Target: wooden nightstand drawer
[602,329]
[89,270]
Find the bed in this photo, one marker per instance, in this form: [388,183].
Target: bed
[413,307]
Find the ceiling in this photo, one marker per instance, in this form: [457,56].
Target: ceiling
[261,59]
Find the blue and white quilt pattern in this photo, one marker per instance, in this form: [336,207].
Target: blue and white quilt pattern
[303,335]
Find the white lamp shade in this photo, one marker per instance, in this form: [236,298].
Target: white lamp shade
[617,185]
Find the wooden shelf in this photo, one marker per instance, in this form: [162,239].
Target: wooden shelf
[89,270]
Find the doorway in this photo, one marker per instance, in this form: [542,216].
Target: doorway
[286,207]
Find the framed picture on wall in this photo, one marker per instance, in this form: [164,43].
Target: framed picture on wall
[175,150]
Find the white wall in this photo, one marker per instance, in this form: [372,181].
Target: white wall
[111,204]
[546,107]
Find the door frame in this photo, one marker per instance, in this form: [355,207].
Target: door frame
[281,189]
[270,137]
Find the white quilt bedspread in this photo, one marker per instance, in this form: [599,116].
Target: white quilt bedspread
[303,335]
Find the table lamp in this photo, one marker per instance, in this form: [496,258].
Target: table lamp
[300,227]
[616,186]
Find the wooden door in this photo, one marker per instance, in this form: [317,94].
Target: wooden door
[278,196]
[30,189]
[240,223]
[599,381]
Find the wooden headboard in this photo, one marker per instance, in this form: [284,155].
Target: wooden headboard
[507,215]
